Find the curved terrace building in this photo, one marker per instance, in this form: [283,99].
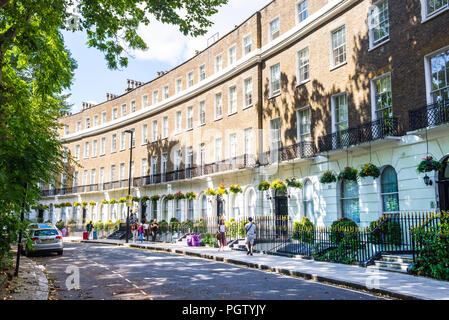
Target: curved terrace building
[300,87]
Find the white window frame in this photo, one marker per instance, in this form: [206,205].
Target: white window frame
[124,107]
[144,101]
[298,61]
[114,113]
[144,134]
[218,67]
[103,146]
[86,150]
[373,94]
[218,156]
[333,107]
[371,27]
[189,118]
[104,117]
[299,122]
[165,92]
[270,32]
[191,73]
[165,127]
[428,72]
[66,129]
[201,107]
[154,131]
[244,51]
[177,91]
[155,97]
[77,152]
[425,16]
[78,126]
[218,117]
[230,110]
[178,123]
[200,74]
[297,12]
[94,148]
[233,47]
[95,123]
[332,57]
[114,143]
[87,123]
[232,136]
[144,167]
[245,104]
[278,92]
[133,106]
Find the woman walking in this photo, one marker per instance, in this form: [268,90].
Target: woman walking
[140,231]
[134,231]
[222,235]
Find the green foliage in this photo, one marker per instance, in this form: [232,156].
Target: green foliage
[349,174]
[328,177]
[388,231]
[303,230]
[174,224]
[235,188]
[343,253]
[369,170]
[98,226]
[428,165]
[163,226]
[343,230]
[293,182]
[263,186]
[60,225]
[179,195]
[278,185]
[209,240]
[433,257]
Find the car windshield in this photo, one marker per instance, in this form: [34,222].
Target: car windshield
[44,233]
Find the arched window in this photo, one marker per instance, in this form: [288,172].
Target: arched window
[308,200]
[204,207]
[251,203]
[154,206]
[236,206]
[350,207]
[178,210]
[389,190]
[190,212]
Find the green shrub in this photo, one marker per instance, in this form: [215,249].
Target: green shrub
[343,230]
[388,230]
[60,225]
[303,230]
[209,240]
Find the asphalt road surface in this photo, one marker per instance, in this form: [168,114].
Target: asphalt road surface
[109,272]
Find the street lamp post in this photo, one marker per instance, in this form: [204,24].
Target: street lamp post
[129,180]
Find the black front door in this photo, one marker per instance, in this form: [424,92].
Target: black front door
[40,216]
[220,207]
[84,216]
[281,213]
[443,186]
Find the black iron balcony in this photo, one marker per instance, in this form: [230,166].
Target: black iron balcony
[430,115]
[301,150]
[366,132]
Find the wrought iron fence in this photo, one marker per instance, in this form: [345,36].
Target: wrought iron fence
[431,115]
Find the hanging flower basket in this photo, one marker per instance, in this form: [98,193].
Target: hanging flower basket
[58,205]
[84,204]
[210,192]
[348,174]
[104,201]
[235,188]
[278,185]
[179,195]
[144,199]
[294,183]
[369,170]
[92,203]
[122,200]
[156,197]
[136,199]
[328,177]
[264,186]
[428,165]
[170,196]
[113,201]
[221,190]
[191,195]
[77,204]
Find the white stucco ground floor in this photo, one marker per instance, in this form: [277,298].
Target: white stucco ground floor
[399,188]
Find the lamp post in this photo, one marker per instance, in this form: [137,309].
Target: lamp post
[129,180]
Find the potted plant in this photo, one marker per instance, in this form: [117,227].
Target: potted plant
[328,177]
[221,190]
[77,204]
[210,192]
[369,170]
[179,195]
[156,197]
[348,174]
[113,201]
[92,203]
[136,199]
[294,183]
[264,186]
[170,196]
[122,200]
[145,199]
[235,188]
[84,204]
[104,201]
[191,195]
[428,165]
[278,185]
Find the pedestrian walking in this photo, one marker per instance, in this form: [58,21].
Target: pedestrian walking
[154,228]
[134,231]
[145,228]
[250,228]
[140,230]
[221,235]
[89,227]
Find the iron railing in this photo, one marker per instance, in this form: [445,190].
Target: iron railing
[428,116]
[366,132]
[301,150]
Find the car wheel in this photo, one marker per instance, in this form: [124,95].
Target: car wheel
[60,252]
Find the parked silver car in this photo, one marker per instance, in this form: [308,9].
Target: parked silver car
[45,237]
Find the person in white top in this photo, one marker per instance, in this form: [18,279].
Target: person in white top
[145,227]
[221,235]
[250,229]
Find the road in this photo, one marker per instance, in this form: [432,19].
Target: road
[109,272]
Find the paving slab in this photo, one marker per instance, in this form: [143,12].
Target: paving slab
[403,286]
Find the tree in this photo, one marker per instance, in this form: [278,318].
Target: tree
[35,68]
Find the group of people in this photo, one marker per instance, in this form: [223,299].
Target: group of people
[250,229]
[143,229]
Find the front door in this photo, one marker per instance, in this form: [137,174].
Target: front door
[443,186]
[281,213]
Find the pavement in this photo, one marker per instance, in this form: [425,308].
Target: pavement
[398,285]
[31,284]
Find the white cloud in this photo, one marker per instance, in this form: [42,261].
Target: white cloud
[167,44]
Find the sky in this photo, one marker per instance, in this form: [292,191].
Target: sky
[167,48]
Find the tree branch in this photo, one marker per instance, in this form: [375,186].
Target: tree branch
[4,3]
